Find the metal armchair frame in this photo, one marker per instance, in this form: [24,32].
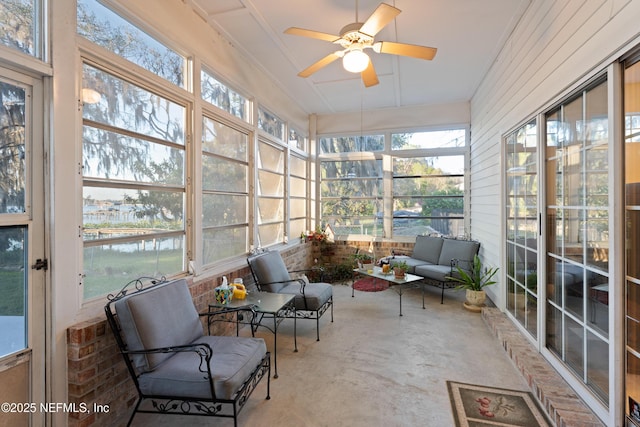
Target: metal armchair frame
[300,313]
[180,405]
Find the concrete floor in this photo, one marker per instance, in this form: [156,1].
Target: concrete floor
[372,367]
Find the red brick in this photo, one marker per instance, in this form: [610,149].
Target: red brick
[564,407]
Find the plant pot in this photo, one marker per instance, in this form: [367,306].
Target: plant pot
[475,300]
[368,266]
[399,274]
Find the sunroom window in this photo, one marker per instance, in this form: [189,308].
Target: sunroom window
[225,194]
[271,124]
[133,168]
[22,26]
[420,175]
[109,30]
[352,195]
[428,195]
[223,97]
[270,193]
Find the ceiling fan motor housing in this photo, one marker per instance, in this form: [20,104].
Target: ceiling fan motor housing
[350,34]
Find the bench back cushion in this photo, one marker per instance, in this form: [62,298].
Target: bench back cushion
[160,316]
[270,271]
[427,248]
[463,250]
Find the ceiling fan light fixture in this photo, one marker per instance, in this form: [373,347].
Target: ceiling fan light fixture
[355,61]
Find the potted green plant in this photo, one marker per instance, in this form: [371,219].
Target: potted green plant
[364,260]
[474,281]
[400,269]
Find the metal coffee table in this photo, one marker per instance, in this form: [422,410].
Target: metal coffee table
[410,281]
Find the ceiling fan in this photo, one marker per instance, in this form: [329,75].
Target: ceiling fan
[355,38]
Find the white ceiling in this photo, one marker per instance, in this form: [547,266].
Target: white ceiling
[468,34]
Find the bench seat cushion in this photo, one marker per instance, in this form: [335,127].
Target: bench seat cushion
[316,294]
[411,262]
[434,272]
[233,361]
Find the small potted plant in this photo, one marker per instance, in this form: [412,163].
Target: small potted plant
[364,260]
[400,269]
[474,281]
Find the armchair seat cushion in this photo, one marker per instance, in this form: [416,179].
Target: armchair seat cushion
[233,361]
[316,294]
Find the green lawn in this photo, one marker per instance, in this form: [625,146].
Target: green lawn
[12,293]
[108,271]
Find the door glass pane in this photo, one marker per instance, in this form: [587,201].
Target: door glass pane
[521,178]
[574,341]
[598,365]
[13,290]
[12,148]
[632,241]
[577,274]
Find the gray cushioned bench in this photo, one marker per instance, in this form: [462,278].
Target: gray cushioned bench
[435,258]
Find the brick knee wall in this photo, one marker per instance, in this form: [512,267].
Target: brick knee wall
[563,405]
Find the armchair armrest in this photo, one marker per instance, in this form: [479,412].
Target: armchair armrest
[314,271]
[300,280]
[203,350]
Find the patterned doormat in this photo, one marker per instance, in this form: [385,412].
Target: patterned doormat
[477,406]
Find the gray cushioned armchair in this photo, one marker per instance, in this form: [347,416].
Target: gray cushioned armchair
[173,364]
[312,300]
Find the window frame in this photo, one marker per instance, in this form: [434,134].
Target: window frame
[386,155]
[92,182]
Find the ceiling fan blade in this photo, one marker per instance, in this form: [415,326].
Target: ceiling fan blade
[379,19]
[403,49]
[312,34]
[321,63]
[369,76]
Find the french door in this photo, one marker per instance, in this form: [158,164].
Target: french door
[22,247]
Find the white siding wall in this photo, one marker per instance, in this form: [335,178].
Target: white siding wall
[556,45]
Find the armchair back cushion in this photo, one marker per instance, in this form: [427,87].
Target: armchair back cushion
[271,271]
[463,250]
[427,249]
[162,316]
